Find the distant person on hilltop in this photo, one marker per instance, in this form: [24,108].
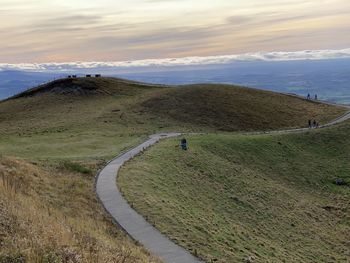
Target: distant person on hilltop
[308,96]
[184,144]
[315,96]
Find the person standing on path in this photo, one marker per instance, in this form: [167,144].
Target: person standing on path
[310,124]
[184,144]
[314,124]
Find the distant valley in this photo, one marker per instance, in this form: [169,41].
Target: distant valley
[13,82]
[330,79]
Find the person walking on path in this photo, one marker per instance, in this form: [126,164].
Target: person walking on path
[310,125]
[314,124]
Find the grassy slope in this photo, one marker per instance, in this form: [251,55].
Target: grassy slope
[50,215]
[83,121]
[229,108]
[60,126]
[236,198]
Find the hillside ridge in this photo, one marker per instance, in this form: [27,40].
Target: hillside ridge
[82,86]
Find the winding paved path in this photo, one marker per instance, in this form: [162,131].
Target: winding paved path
[128,219]
[132,222]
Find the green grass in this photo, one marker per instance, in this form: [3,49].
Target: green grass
[76,167]
[55,138]
[242,198]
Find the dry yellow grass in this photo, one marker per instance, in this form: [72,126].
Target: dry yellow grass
[34,228]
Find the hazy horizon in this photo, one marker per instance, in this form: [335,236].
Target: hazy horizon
[329,78]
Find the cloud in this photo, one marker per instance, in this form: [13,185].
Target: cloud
[186,61]
[45,31]
[66,22]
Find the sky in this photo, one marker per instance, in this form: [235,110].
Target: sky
[47,31]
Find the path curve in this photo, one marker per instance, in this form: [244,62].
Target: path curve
[128,219]
[132,222]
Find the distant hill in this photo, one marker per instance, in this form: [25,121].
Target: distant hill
[328,78]
[218,107]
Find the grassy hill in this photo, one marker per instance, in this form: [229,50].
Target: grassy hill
[99,117]
[249,198]
[54,138]
[233,108]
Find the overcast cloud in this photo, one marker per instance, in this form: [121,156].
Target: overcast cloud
[39,31]
[186,61]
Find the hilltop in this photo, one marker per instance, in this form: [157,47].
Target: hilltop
[204,106]
[83,86]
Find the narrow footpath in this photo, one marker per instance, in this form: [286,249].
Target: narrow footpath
[128,219]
